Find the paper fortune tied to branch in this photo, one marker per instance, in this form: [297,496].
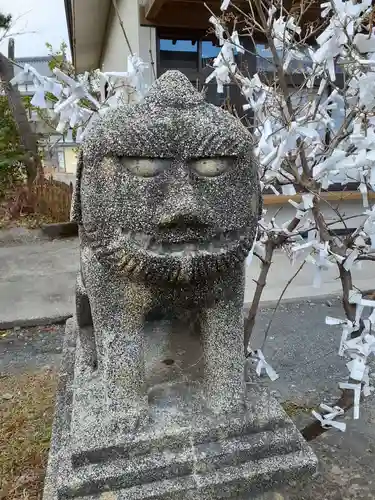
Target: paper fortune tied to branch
[262,364]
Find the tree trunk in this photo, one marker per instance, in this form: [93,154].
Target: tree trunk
[28,138]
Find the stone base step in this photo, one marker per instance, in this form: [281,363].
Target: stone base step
[190,461]
[234,457]
[248,480]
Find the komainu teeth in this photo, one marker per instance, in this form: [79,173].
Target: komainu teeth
[174,275]
[123,261]
[220,244]
[147,242]
[139,270]
[185,274]
[131,265]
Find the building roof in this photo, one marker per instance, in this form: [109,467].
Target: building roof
[39,63]
[69,22]
[87,22]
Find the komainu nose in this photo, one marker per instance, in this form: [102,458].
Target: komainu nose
[182,210]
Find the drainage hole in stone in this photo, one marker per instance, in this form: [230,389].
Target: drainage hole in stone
[168,362]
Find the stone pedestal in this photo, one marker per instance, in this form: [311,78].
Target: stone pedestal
[183,451]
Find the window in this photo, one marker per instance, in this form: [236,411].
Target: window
[178,54]
[208,53]
[264,60]
[193,53]
[186,54]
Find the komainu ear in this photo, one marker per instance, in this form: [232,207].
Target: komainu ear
[75,211]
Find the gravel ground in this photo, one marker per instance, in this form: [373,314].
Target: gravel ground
[303,350]
[30,349]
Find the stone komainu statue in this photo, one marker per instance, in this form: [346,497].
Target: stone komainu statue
[167,201]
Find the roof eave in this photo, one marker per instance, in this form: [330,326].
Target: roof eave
[87,23]
[69,22]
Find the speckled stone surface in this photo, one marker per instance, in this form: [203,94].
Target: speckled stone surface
[182,454]
[167,201]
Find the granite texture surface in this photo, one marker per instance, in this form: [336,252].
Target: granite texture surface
[167,202]
[184,452]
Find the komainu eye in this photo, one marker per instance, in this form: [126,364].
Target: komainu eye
[211,167]
[145,167]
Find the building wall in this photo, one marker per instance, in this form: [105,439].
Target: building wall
[141,39]
[285,212]
[70,160]
[115,51]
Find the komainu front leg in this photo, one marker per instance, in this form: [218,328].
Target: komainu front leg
[222,337]
[118,311]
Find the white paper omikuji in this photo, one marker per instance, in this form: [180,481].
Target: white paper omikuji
[307,200]
[347,328]
[219,30]
[369,225]
[357,396]
[128,86]
[70,91]
[262,364]
[357,368]
[224,5]
[327,420]
[350,259]
[288,189]
[39,99]
[356,298]
[277,134]
[363,191]
[224,64]
[249,258]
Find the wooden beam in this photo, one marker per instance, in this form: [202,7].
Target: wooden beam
[153,8]
[176,15]
[336,196]
[188,14]
[201,2]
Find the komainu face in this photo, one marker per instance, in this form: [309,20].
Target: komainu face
[167,189]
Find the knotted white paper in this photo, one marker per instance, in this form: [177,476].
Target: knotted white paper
[262,365]
[357,396]
[327,419]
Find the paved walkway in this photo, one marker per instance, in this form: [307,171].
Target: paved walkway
[37,280]
[302,286]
